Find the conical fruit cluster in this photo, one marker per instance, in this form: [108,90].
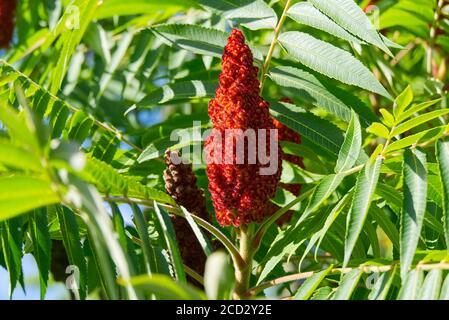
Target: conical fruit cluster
[180,183]
[239,191]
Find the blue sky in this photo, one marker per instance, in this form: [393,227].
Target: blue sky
[55,290]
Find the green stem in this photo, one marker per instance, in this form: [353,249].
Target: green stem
[365,268]
[277,30]
[243,272]
[234,252]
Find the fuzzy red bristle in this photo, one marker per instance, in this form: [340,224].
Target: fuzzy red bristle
[239,192]
[7,12]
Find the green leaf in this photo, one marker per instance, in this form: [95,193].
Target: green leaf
[18,128]
[350,150]
[58,118]
[430,289]
[107,250]
[379,130]
[11,240]
[70,38]
[79,126]
[165,288]
[323,293]
[19,194]
[307,14]
[309,286]
[170,239]
[331,218]
[252,14]
[193,89]
[122,48]
[72,244]
[350,16]
[414,205]
[111,8]
[41,246]
[410,124]
[322,93]
[218,277]
[202,239]
[347,285]
[411,285]
[323,191]
[363,194]
[15,156]
[395,200]
[425,135]
[382,286]
[444,295]
[388,118]
[149,254]
[196,39]
[402,101]
[292,174]
[330,61]
[320,132]
[105,147]
[108,180]
[415,109]
[125,241]
[442,154]
[289,241]
[178,139]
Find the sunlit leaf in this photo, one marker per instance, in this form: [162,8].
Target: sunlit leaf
[414,205]
[330,61]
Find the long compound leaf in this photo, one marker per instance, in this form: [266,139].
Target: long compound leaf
[11,240]
[202,239]
[322,93]
[72,37]
[432,284]
[350,16]
[414,122]
[19,194]
[331,61]
[125,241]
[170,239]
[112,257]
[305,13]
[444,294]
[72,244]
[149,254]
[176,91]
[363,194]
[347,285]
[442,149]
[414,205]
[40,236]
[411,285]
[253,14]
[382,285]
[350,150]
[321,133]
[309,286]
[196,39]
